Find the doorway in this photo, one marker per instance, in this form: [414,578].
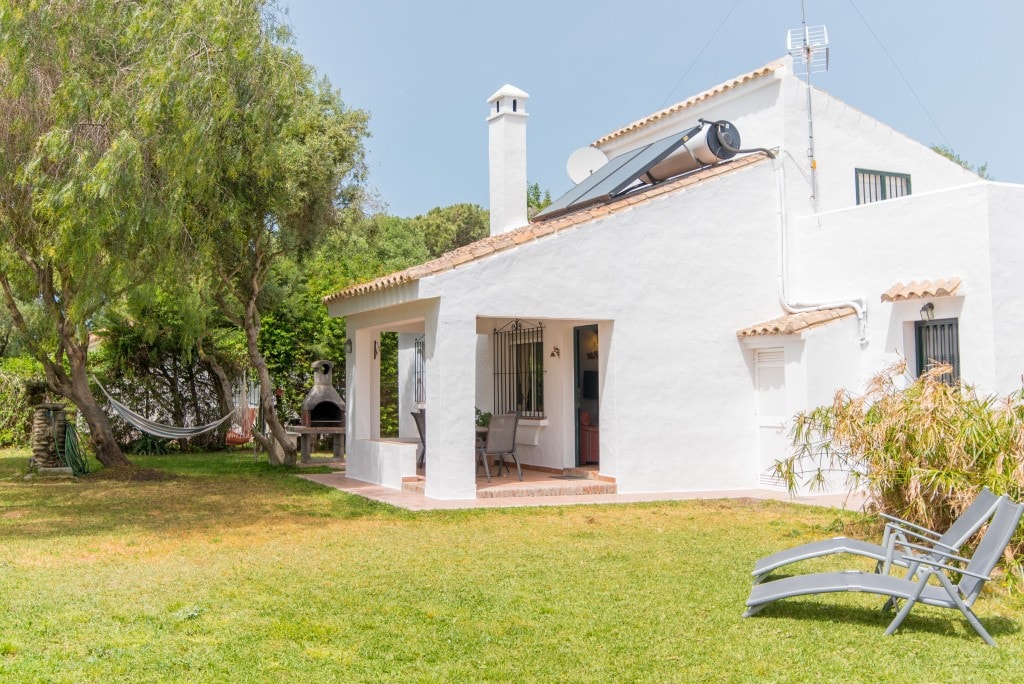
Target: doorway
[587,393]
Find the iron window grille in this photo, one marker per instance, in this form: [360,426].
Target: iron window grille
[938,342]
[420,370]
[519,368]
[875,186]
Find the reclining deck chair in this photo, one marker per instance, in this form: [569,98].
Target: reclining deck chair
[912,590]
[501,441]
[897,532]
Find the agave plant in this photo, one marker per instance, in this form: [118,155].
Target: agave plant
[921,448]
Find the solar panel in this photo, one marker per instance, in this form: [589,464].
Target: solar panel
[617,175]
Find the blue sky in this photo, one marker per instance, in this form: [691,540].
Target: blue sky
[423,70]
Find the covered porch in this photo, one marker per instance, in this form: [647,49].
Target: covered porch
[453,364]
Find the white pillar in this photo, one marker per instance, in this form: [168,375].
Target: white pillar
[363,385]
[451,388]
[506,155]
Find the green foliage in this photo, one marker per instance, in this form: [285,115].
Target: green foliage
[148,361]
[17,378]
[921,451]
[536,201]
[363,248]
[483,418]
[389,384]
[448,228]
[295,331]
[948,153]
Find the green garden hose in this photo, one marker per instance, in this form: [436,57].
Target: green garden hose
[71,455]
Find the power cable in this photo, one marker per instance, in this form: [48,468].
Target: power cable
[900,72]
[701,53]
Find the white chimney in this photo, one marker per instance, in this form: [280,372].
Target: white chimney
[506,152]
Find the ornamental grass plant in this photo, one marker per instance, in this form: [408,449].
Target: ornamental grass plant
[921,448]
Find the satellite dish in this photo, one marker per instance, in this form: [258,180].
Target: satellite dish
[584,162]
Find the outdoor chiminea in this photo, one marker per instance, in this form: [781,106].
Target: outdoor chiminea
[323,411]
[323,406]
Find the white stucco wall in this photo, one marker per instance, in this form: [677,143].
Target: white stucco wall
[670,280]
[664,341]
[1006,251]
[863,251]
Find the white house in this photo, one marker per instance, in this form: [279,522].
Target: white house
[687,318]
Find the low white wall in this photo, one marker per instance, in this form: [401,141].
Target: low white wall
[383,462]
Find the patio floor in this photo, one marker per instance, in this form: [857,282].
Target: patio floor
[550,489]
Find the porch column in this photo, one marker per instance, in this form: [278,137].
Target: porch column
[451,392]
[407,384]
[363,386]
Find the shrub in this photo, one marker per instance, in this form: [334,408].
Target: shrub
[921,452]
[20,383]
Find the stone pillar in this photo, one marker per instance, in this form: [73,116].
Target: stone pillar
[48,420]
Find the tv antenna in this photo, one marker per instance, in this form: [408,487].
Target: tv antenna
[808,46]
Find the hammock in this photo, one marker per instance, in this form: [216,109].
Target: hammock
[156,429]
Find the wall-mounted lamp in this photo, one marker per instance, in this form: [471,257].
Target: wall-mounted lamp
[928,312]
[348,346]
[376,348]
[556,353]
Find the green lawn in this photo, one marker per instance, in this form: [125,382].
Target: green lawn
[235,572]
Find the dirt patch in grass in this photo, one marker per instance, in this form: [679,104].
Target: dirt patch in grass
[133,475]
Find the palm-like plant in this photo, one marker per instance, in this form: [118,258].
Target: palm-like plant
[920,448]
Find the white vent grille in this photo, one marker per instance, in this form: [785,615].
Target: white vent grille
[771,357]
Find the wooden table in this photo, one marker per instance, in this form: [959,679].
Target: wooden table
[337,438]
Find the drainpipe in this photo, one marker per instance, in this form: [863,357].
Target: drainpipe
[798,307]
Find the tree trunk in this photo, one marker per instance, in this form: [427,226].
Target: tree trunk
[76,388]
[279,448]
[225,393]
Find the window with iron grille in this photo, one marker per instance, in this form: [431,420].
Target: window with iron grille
[875,186]
[938,342]
[519,369]
[420,371]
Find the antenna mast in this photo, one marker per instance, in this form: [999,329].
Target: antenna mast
[809,44]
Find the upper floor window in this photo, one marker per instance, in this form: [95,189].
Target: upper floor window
[875,186]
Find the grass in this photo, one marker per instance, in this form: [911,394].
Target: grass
[242,573]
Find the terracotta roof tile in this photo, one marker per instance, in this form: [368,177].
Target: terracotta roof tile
[686,104]
[795,323]
[483,249]
[942,287]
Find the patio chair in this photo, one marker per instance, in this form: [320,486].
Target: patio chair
[936,564]
[897,533]
[501,442]
[420,417]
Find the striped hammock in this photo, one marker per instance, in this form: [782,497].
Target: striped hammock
[157,429]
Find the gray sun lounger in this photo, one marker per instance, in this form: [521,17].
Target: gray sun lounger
[917,590]
[897,533]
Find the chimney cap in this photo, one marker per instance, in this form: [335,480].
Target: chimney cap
[507,91]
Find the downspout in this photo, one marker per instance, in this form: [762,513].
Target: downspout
[798,307]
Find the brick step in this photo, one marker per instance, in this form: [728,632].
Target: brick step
[589,482]
[588,474]
[416,485]
[552,488]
